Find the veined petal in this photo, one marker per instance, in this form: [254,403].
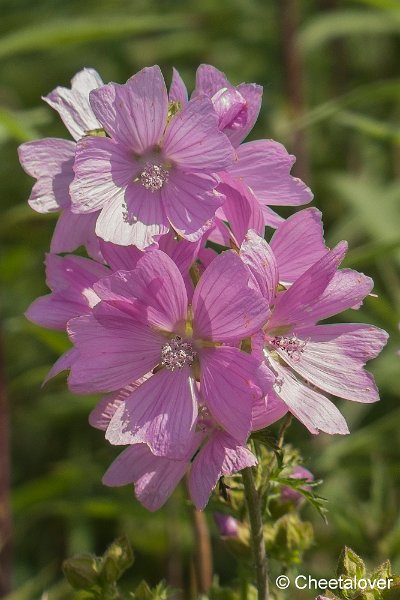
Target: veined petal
[221,455]
[209,80]
[104,410]
[134,113]
[298,243]
[73,230]
[162,413]
[114,350]
[334,356]
[73,104]
[265,166]
[267,410]
[103,171]
[311,408]
[50,161]
[193,141]
[252,93]
[258,256]
[225,306]
[157,284]
[74,276]
[120,258]
[178,91]
[227,385]
[299,305]
[190,203]
[155,477]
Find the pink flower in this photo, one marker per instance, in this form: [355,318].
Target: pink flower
[228,526]
[143,321]
[51,161]
[154,170]
[310,360]
[211,454]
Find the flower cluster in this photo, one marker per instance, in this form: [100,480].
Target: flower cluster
[194,348]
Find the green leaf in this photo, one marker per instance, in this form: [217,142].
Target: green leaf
[350,564]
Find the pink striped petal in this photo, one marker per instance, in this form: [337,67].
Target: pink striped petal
[209,80]
[114,350]
[135,113]
[298,243]
[50,161]
[258,256]
[225,306]
[252,94]
[73,104]
[221,455]
[241,209]
[73,230]
[104,410]
[193,141]
[178,91]
[162,413]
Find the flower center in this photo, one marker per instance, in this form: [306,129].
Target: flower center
[153,177]
[292,345]
[177,353]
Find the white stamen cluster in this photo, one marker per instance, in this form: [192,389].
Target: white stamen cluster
[177,353]
[153,177]
[292,345]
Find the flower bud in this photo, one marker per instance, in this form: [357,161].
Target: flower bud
[81,571]
[290,495]
[227,525]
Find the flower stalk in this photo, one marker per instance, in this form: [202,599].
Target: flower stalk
[256,533]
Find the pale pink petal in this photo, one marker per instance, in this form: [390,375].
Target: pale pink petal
[178,91]
[157,284]
[311,408]
[258,256]
[155,477]
[265,166]
[190,203]
[225,306]
[193,141]
[298,243]
[271,218]
[103,171]
[300,304]
[227,386]
[120,258]
[72,231]
[50,161]
[114,350]
[135,113]
[182,252]
[209,80]
[141,227]
[252,93]
[334,356]
[73,104]
[62,364]
[221,455]
[53,311]
[267,411]
[104,410]
[162,413]
[241,209]
[231,109]
[75,276]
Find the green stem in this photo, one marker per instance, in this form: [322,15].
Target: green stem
[256,533]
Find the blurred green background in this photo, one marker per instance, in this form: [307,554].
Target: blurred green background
[331,94]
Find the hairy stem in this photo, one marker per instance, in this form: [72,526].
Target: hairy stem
[256,533]
[204,568]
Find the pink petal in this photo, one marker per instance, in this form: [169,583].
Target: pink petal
[162,413]
[120,258]
[221,455]
[258,256]
[190,203]
[298,243]
[155,477]
[265,166]
[157,284]
[75,276]
[135,113]
[225,307]
[209,80]
[178,91]
[311,408]
[50,161]
[300,304]
[271,218]
[73,230]
[252,94]
[227,386]
[334,356]
[114,350]
[241,209]
[267,411]
[143,225]
[231,109]
[103,170]
[104,410]
[73,104]
[62,364]
[193,141]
